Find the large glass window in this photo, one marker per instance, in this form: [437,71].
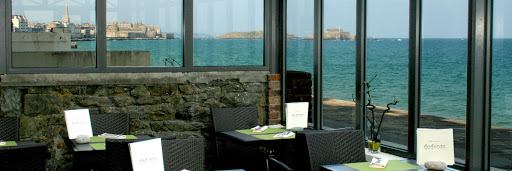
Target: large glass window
[387,67]
[144,33]
[501,110]
[339,63]
[51,35]
[228,32]
[444,69]
[299,52]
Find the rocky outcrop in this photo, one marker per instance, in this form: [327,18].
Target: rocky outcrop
[242,35]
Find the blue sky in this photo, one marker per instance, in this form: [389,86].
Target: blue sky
[386,19]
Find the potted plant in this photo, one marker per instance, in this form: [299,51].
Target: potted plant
[374,123]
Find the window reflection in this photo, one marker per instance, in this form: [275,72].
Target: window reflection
[501,107]
[444,69]
[60,34]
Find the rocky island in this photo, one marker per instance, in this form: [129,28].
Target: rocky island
[242,35]
[334,34]
[247,35]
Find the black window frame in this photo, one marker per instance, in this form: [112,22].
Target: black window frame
[478,83]
[101,46]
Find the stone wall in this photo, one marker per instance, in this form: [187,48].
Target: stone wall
[61,59]
[158,103]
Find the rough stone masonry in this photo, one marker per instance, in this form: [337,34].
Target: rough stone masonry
[158,103]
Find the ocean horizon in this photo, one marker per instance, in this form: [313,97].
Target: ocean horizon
[443,78]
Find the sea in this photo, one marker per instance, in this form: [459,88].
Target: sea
[443,71]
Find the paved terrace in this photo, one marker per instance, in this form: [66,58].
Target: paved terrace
[341,113]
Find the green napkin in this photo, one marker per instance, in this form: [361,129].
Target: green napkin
[97,139]
[9,143]
[98,146]
[392,165]
[267,131]
[271,136]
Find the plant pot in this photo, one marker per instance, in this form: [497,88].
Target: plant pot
[374,146]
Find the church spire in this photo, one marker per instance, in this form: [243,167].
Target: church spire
[66,17]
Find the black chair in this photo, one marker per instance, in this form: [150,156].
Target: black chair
[24,156]
[118,152]
[9,128]
[316,148]
[230,119]
[110,123]
[232,155]
[182,154]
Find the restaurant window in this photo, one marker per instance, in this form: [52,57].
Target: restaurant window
[339,52]
[228,32]
[53,35]
[144,33]
[387,68]
[444,69]
[299,52]
[501,107]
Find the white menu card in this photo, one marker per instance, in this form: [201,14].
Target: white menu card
[435,145]
[147,155]
[297,114]
[78,123]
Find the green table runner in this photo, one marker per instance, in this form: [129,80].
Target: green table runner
[97,139]
[9,143]
[271,136]
[392,165]
[267,131]
[98,146]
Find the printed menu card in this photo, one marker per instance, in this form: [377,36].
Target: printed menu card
[435,145]
[147,155]
[297,114]
[78,123]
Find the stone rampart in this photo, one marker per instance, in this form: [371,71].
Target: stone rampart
[59,59]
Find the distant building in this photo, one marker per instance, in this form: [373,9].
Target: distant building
[66,17]
[134,30]
[54,24]
[37,27]
[20,24]
[88,30]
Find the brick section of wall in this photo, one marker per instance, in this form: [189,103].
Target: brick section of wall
[274,99]
[299,88]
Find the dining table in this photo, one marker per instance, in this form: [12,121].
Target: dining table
[404,164]
[92,155]
[264,139]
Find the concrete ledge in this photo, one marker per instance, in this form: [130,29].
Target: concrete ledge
[129,78]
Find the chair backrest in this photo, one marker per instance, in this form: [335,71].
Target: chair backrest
[182,154]
[118,154]
[230,119]
[317,148]
[110,123]
[30,156]
[9,128]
